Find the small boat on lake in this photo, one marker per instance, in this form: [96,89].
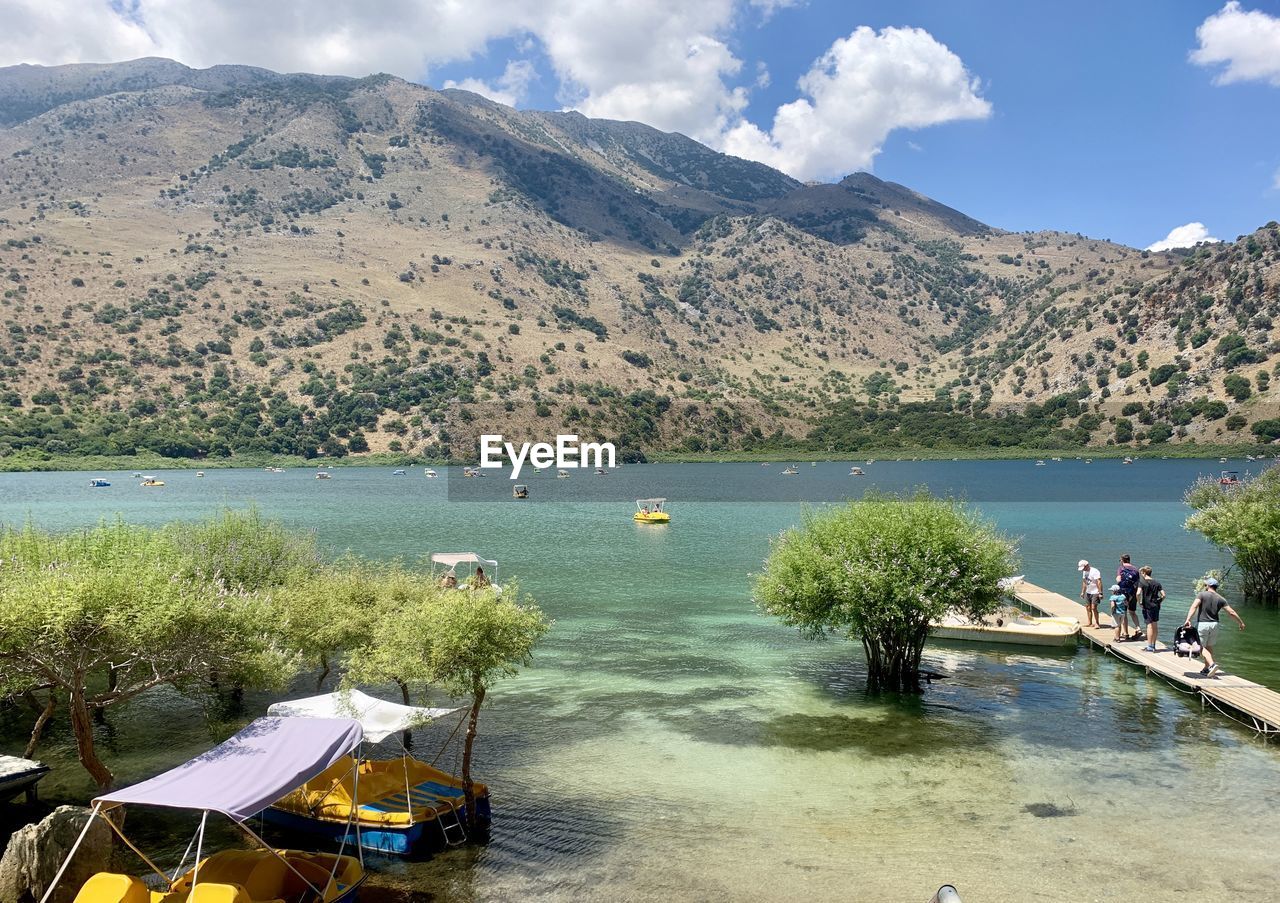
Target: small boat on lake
[601,472]
[790,471]
[1009,627]
[1229,478]
[519,491]
[151,481]
[99,483]
[257,767]
[18,775]
[476,579]
[1127,461]
[323,475]
[430,474]
[649,511]
[856,471]
[1040,464]
[400,805]
[199,473]
[397,473]
[562,474]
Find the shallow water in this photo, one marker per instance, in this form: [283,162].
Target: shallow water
[672,743]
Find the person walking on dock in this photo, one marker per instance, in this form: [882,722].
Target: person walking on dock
[1090,591]
[1127,578]
[1150,594]
[1205,610]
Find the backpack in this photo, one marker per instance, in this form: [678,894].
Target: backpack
[1186,641]
[1127,578]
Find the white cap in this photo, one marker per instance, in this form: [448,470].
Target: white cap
[1082,565]
[1115,587]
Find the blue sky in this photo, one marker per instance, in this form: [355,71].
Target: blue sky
[1117,120]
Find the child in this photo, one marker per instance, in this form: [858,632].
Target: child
[1119,607]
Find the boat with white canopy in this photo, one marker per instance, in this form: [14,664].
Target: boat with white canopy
[472,564]
[650,511]
[18,775]
[401,805]
[237,779]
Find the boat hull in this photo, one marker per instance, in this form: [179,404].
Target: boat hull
[423,838]
[660,518]
[1051,632]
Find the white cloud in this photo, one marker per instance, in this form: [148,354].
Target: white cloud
[510,88]
[1183,237]
[1246,42]
[860,90]
[667,63]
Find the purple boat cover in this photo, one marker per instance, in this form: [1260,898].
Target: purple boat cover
[249,772]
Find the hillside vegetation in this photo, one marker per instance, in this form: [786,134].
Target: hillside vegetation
[229,262]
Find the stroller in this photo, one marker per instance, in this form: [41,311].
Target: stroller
[1186,641]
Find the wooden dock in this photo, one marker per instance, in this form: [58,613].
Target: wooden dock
[1253,705]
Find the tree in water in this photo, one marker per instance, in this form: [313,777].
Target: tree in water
[92,619]
[460,641]
[879,570]
[1244,519]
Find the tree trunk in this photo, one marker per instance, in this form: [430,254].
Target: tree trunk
[407,738]
[324,670]
[51,704]
[468,786]
[82,727]
[893,660]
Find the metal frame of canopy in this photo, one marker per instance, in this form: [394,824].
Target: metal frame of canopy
[651,504]
[396,718]
[451,560]
[208,783]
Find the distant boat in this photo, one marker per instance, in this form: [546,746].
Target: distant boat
[649,511]
[1040,464]
[1056,459]
[430,474]
[151,481]
[520,491]
[1127,461]
[138,474]
[1088,460]
[856,472]
[813,463]
[397,473]
[199,473]
[601,472]
[323,475]
[99,482]
[1229,478]
[871,460]
[790,471]
[562,474]
[1222,460]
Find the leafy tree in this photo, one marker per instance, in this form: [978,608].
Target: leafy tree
[461,641]
[92,619]
[880,570]
[1237,386]
[1245,520]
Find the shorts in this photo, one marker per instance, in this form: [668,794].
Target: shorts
[1092,598]
[1208,631]
[1132,599]
[1150,614]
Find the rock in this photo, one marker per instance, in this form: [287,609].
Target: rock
[35,852]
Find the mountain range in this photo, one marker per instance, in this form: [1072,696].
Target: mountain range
[228,261]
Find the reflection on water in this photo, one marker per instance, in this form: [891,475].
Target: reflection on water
[671,743]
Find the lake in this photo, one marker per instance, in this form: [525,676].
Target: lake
[670,742]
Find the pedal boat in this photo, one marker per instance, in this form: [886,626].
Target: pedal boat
[402,806]
[649,511]
[237,779]
[1008,628]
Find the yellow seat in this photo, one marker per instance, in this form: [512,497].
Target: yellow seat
[220,893]
[108,887]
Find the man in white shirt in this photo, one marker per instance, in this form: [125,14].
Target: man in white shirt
[1090,591]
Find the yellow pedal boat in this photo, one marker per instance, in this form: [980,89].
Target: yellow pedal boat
[649,511]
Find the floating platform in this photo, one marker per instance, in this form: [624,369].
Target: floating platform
[1251,704]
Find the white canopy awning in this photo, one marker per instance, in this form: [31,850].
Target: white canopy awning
[453,559]
[379,718]
[650,501]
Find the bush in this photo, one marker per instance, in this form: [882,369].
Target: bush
[1245,520]
[637,359]
[880,570]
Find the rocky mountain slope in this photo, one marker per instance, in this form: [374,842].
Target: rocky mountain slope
[230,260]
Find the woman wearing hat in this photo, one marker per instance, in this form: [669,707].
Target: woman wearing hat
[1205,610]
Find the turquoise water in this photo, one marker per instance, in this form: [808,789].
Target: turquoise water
[672,743]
